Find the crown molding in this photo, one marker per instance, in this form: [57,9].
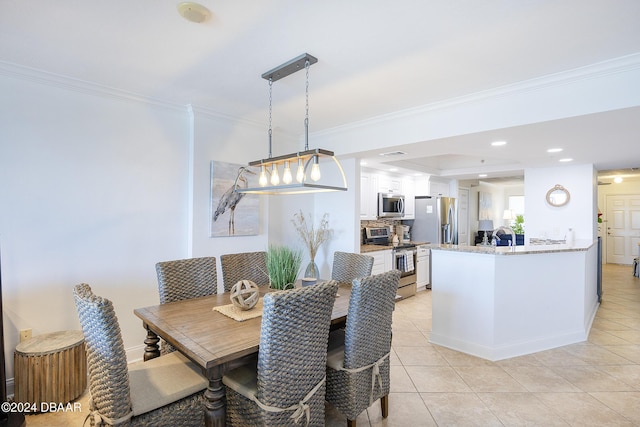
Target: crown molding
[60,81]
[590,72]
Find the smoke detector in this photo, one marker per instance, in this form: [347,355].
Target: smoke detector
[193,12]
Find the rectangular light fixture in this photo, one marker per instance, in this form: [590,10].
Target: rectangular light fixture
[308,177]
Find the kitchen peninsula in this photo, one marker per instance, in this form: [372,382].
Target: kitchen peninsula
[502,302]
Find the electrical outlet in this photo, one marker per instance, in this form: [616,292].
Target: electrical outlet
[25,334]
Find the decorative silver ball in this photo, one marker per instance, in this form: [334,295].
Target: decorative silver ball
[245,294]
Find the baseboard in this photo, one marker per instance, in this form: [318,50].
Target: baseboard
[10,387]
[135,354]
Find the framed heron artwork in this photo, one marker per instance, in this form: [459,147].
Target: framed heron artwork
[233,214]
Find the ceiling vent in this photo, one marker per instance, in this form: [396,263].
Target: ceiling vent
[393,153]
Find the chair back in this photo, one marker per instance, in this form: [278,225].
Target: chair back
[349,266]
[187,278]
[106,358]
[368,329]
[293,345]
[244,266]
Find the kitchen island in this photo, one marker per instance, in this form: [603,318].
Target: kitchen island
[502,302]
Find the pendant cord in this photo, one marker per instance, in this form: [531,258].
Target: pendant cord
[270,109]
[306,117]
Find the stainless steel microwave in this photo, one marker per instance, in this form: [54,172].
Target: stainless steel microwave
[390,205]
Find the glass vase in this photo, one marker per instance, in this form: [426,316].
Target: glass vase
[312,270]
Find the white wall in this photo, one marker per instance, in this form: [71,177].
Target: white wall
[543,220]
[94,189]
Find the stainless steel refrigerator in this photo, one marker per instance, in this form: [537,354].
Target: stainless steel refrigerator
[436,220]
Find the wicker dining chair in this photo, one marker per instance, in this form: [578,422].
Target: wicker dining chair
[244,266]
[287,387]
[358,356]
[184,279]
[165,391]
[349,266]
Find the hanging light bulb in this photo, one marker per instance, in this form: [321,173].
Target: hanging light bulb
[300,172]
[286,174]
[263,176]
[275,178]
[315,169]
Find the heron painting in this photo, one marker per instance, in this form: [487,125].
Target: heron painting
[232,214]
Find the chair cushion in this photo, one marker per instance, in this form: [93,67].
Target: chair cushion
[243,380]
[163,380]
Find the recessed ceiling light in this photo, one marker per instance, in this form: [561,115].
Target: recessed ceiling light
[617,179]
[554,150]
[498,143]
[363,163]
[393,170]
[566,160]
[482,175]
[193,12]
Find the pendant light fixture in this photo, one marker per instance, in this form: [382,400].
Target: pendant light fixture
[309,178]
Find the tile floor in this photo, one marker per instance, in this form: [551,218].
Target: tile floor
[595,383]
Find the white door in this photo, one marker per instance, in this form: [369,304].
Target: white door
[623,228]
[463,216]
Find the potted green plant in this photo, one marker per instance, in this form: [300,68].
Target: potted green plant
[283,264]
[518,225]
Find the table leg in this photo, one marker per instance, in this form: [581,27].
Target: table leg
[152,348]
[215,413]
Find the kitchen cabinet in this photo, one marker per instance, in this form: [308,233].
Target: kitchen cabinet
[423,267]
[382,261]
[389,184]
[438,188]
[408,189]
[368,196]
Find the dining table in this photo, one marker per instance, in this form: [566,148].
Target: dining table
[215,342]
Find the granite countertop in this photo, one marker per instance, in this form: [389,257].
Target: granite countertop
[579,245]
[373,248]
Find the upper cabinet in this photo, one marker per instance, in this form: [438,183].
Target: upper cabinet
[408,189]
[368,196]
[439,188]
[389,184]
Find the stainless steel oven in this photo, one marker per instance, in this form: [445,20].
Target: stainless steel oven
[405,259]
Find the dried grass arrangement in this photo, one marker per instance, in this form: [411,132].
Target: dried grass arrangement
[311,236]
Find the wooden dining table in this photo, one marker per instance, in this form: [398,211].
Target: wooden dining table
[212,340]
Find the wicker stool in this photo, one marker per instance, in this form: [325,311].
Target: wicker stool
[50,368]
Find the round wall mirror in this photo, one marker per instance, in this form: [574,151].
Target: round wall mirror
[558,196]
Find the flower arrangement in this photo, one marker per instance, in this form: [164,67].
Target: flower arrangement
[311,236]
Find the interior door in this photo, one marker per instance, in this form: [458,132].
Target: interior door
[623,228]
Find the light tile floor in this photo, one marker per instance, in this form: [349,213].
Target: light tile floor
[595,383]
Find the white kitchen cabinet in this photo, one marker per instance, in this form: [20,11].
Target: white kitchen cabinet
[439,188]
[389,184]
[368,196]
[381,261]
[423,261]
[408,189]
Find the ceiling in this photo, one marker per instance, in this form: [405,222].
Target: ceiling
[374,59]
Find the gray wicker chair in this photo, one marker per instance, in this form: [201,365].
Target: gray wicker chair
[349,266]
[287,387]
[165,391]
[184,279]
[244,266]
[357,353]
